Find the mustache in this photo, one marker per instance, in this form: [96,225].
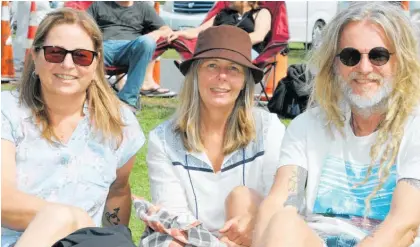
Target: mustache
[371,76]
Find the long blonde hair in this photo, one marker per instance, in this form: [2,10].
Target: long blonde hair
[406,81]
[240,129]
[104,106]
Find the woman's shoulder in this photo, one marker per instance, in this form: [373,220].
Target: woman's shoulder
[164,130]
[265,119]
[11,107]
[261,115]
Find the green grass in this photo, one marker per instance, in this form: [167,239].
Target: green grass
[155,111]
[151,115]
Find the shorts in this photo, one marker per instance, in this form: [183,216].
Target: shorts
[98,237]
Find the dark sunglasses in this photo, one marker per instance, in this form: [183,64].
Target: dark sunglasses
[55,54]
[377,56]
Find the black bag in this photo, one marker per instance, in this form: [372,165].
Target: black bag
[292,93]
[114,236]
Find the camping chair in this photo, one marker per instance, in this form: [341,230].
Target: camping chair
[183,46]
[110,71]
[279,36]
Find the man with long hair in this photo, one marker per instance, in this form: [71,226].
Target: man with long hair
[350,165]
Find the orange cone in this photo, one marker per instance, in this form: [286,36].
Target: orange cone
[406,7]
[156,68]
[7,67]
[33,25]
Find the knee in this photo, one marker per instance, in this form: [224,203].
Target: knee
[59,213]
[285,221]
[145,43]
[243,197]
[239,192]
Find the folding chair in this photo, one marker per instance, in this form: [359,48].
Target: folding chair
[110,71]
[278,42]
[115,70]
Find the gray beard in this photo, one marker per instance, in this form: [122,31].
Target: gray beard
[366,106]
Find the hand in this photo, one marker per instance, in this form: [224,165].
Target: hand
[155,35]
[188,34]
[229,243]
[239,229]
[156,226]
[173,36]
[134,197]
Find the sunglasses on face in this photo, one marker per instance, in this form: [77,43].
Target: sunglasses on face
[377,56]
[55,54]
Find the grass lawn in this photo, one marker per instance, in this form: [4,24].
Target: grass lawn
[154,112]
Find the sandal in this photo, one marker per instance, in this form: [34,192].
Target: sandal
[158,92]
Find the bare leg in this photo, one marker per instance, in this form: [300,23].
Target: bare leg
[241,201]
[149,82]
[150,87]
[287,228]
[53,223]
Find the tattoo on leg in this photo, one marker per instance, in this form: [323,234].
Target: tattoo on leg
[412,181]
[296,189]
[113,218]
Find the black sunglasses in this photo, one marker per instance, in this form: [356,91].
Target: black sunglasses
[56,54]
[377,56]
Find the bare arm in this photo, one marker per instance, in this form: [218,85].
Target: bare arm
[118,204]
[162,32]
[288,191]
[192,32]
[262,26]
[17,208]
[400,226]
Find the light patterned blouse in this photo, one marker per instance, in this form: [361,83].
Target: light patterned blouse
[78,173]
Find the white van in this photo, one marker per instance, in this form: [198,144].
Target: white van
[306,19]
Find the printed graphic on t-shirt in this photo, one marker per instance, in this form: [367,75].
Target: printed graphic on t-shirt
[342,193]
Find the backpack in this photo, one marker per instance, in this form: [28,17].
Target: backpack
[292,93]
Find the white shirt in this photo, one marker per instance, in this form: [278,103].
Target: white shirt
[336,163]
[179,179]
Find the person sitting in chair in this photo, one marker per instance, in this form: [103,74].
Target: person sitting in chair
[130,31]
[247,15]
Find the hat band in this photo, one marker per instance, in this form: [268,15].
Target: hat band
[210,49]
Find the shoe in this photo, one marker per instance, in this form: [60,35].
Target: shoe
[158,93]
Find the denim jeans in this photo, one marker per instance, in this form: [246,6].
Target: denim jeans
[136,54]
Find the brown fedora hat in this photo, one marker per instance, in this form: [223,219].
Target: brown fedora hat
[225,42]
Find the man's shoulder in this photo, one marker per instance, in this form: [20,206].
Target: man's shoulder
[143,6]
[311,115]
[100,5]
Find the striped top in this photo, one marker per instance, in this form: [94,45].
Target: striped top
[185,183]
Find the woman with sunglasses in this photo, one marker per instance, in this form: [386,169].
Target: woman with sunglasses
[216,159]
[350,165]
[66,138]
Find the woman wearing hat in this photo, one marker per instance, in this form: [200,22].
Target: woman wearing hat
[217,157]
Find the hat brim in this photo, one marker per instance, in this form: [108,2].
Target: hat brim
[235,57]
